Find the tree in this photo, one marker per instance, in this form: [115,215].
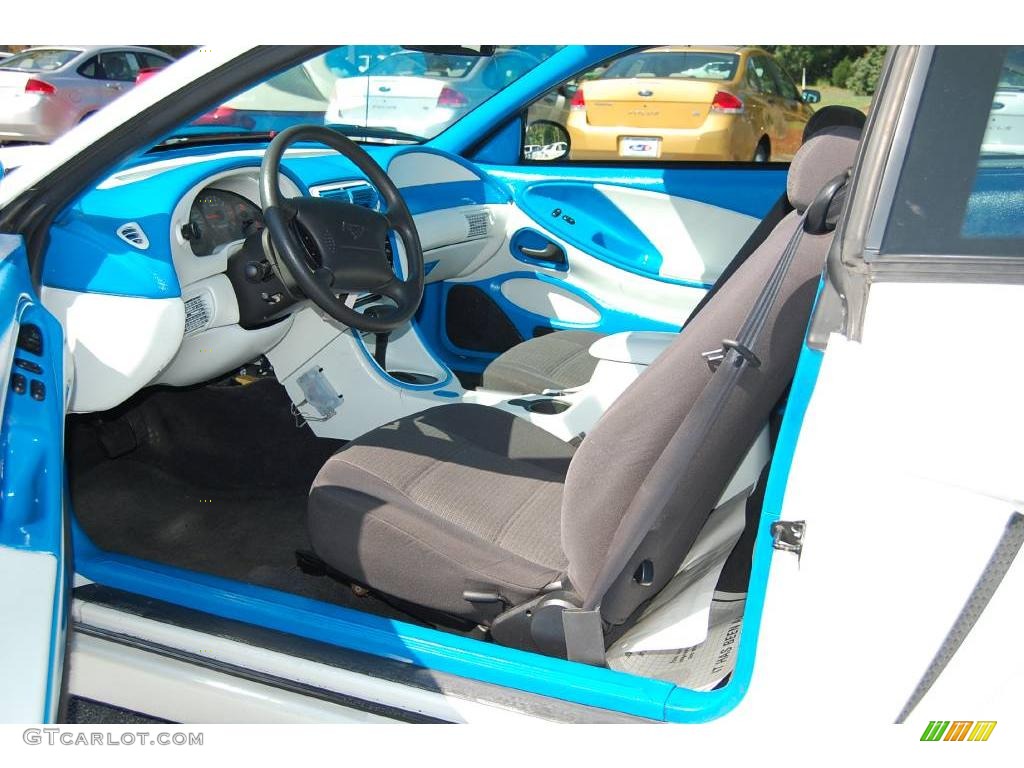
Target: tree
[866,70]
[818,60]
[841,73]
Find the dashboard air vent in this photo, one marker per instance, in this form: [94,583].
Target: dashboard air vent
[355,192]
[364,195]
[133,234]
[197,314]
[334,193]
[479,224]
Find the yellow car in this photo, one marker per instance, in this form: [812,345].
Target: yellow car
[686,103]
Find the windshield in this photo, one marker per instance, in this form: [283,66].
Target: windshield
[374,93]
[39,60]
[697,65]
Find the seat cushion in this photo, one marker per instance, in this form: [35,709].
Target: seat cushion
[558,360]
[456,497]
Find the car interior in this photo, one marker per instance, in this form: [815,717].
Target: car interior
[405,384]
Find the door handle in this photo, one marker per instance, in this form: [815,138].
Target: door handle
[549,252]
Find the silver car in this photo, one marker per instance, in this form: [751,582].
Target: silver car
[45,91]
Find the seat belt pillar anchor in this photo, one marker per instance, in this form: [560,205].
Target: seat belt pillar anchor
[743,351]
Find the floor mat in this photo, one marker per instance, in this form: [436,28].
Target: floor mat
[212,479]
[251,535]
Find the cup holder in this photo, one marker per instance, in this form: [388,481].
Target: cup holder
[545,405]
[409,377]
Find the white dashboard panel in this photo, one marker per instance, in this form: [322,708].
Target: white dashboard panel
[414,169]
[118,343]
[209,354]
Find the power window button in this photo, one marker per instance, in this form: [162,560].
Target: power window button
[28,365]
[37,389]
[18,383]
[30,338]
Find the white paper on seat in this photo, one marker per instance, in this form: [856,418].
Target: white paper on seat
[701,667]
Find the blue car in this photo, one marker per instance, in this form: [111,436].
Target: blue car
[313,422]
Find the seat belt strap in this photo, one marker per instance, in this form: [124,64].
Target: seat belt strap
[584,631]
[652,500]
[651,504]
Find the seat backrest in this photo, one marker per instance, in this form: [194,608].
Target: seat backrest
[615,460]
[831,116]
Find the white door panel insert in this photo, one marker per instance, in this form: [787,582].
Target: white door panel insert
[548,300]
[696,240]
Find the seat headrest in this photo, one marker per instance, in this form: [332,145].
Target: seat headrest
[824,156]
[832,116]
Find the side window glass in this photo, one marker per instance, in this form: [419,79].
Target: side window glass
[671,103]
[786,87]
[753,79]
[760,66]
[968,202]
[133,65]
[91,69]
[996,199]
[149,61]
[115,65]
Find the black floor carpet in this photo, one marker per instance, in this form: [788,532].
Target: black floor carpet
[212,479]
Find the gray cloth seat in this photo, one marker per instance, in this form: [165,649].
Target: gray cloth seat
[558,361]
[451,498]
[467,498]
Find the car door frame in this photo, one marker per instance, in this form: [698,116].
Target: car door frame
[34,536]
[876,311]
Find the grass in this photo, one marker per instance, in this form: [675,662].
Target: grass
[832,95]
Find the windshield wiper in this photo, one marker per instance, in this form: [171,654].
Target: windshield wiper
[229,137]
[371,132]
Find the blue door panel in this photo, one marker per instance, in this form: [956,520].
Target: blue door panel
[32,437]
[563,202]
[579,214]
[32,480]
[749,190]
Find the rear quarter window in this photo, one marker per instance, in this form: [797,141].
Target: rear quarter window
[961,188]
[40,60]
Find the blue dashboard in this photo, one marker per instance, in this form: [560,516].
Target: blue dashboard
[87,254]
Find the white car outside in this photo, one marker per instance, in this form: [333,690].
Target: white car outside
[422,93]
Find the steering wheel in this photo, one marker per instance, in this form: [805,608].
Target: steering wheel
[328,249]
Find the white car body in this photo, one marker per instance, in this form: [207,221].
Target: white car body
[421,105]
[41,104]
